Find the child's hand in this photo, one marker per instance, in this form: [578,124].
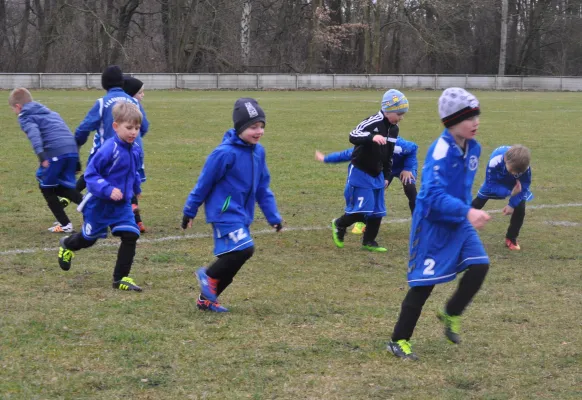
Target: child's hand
[187,222]
[478,218]
[116,194]
[406,177]
[319,156]
[379,139]
[516,188]
[386,183]
[507,210]
[45,163]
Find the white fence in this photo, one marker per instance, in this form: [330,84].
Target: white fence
[302,81]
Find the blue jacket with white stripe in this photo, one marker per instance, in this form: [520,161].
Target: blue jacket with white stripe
[100,119]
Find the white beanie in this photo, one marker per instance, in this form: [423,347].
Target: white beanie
[457,105]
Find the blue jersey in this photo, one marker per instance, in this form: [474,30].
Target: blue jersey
[447,177]
[499,182]
[100,119]
[115,165]
[234,178]
[403,159]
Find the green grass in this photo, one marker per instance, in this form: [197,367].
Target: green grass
[307,320]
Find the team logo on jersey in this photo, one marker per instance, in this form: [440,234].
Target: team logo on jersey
[251,110]
[473,163]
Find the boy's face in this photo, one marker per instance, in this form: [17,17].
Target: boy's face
[139,95]
[512,170]
[126,131]
[253,133]
[394,118]
[16,109]
[466,129]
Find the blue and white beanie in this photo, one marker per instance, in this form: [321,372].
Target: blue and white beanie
[457,105]
[394,101]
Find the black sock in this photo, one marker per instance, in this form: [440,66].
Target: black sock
[125,255]
[410,312]
[478,203]
[468,287]
[516,222]
[410,192]
[372,228]
[77,242]
[55,205]
[226,266]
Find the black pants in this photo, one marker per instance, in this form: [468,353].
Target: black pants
[51,195]
[226,266]
[125,253]
[412,305]
[81,184]
[516,221]
[410,192]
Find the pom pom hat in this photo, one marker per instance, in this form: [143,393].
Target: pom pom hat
[457,105]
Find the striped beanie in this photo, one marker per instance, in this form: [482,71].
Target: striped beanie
[394,101]
[457,105]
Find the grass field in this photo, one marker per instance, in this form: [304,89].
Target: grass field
[307,320]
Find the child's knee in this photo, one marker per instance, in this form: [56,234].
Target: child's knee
[127,237]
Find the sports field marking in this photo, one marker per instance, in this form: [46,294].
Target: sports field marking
[115,243]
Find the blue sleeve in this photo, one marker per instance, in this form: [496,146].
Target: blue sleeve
[91,123]
[410,160]
[137,178]
[33,133]
[145,124]
[446,207]
[266,198]
[339,156]
[96,183]
[214,169]
[525,181]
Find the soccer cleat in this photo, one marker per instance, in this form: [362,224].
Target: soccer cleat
[337,234]
[512,244]
[141,227]
[207,284]
[64,201]
[402,349]
[373,246]
[359,228]
[135,208]
[207,305]
[126,283]
[452,326]
[65,255]
[58,228]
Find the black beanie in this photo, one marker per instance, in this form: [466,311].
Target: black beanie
[246,112]
[131,85]
[112,77]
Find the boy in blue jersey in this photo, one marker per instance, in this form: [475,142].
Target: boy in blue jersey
[404,167]
[508,175]
[134,87]
[443,237]
[99,118]
[112,179]
[233,179]
[374,139]
[56,150]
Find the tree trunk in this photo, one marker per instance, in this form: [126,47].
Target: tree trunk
[245,33]
[126,13]
[503,45]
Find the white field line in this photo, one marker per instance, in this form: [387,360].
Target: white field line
[115,243]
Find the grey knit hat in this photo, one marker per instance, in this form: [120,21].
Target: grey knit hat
[457,105]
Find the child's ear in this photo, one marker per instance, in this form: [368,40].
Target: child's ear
[115,126]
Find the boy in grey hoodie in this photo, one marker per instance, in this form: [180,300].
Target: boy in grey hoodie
[57,153]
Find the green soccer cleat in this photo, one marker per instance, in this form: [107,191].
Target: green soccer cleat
[65,255]
[337,234]
[452,326]
[126,283]
[402,349]
[373,246]
[359,228]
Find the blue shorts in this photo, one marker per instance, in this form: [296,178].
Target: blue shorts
[439,251]
[488,192]
[99,215]
[369,202]
[60,172]
[231,237]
